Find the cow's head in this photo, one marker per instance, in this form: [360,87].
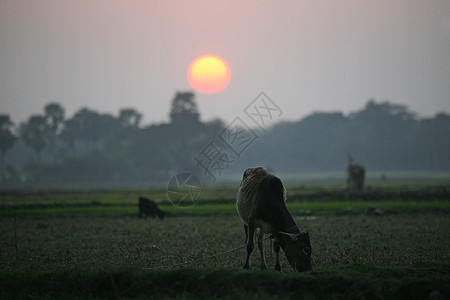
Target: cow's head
[297,248]
[255,172]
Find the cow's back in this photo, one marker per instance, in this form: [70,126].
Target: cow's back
[249,192]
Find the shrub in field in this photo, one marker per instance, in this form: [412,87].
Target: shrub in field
[356,174]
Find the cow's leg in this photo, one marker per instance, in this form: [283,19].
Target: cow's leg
[261,249]
[250,242]
[246,232]
[276,248]
[271,246]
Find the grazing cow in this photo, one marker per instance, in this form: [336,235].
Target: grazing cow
[260,205]
[149,208]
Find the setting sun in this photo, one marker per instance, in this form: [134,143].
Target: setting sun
[209,74]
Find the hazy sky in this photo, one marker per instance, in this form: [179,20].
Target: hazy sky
[306,55]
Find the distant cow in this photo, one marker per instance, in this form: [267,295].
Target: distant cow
[149,208]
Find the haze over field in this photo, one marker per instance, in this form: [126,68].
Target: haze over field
[306,55]
[130,131]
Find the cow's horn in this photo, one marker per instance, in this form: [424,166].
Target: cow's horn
[293,236]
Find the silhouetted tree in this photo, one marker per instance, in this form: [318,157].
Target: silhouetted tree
[118,148]
[184,108]
[130,118]
[87,127]
[7,140]
[90,127]
[35,134]
[431,142]
[69,133]
[381,134]
[54,117]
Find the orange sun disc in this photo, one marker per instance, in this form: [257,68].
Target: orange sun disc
[209,74]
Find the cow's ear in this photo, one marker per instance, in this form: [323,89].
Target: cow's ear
[245,175]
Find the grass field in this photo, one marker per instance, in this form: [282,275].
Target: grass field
[85,243]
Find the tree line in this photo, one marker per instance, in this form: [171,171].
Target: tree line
[99,147]
[381,136]
[95,147]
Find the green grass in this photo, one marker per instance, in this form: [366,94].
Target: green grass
[216,200]
[96,257]
[90,244]
[296,208]
[365,281]
[100,243]
[209,192]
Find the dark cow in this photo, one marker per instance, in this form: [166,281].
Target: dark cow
[149,208]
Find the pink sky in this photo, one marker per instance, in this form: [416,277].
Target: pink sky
[306,55]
